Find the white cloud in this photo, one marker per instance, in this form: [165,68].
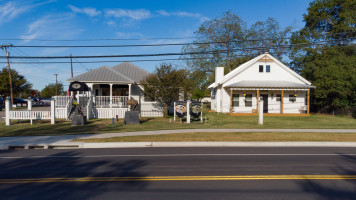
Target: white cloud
[92,12]
[51,26]
[138,14]
[183,14]
[11,10]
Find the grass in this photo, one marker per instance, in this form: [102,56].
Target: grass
[214,120]
[232,137]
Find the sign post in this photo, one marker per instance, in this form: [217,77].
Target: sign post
[260,112]
[188,111]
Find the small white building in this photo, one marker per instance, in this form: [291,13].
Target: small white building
[110,88]
[283,91]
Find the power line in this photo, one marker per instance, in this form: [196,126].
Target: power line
[105,61]
[81,64]
[34,61]
[140,39]
[172,54]
[165,44]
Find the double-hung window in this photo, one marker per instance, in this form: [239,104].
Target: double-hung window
[268,68]
[248,100]
[235,100]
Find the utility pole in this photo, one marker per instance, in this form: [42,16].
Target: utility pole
[56,83]
[8,67]
[71,66]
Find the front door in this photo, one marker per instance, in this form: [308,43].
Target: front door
[265,102]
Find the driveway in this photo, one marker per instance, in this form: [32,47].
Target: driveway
[47,108]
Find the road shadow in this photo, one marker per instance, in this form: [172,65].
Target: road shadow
[335,190]
[67,165]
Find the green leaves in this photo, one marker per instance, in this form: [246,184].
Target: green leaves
[50,90]
[19,83]
[331,67]
[167,84]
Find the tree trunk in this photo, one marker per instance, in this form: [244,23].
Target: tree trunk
[228,56]
[165,113]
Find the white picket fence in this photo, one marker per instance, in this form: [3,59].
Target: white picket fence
[30,114]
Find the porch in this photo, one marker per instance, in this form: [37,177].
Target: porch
[277,101]
[106,95]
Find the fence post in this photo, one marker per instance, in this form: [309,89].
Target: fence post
[188,111]
[7,111]
[53,111]
[29,108]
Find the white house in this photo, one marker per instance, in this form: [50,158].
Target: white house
[110,88]
[283,91]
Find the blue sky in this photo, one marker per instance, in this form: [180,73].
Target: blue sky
[88,19]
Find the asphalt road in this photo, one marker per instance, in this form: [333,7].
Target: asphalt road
[179,173]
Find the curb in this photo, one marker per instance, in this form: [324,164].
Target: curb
[216,144]
[81,145]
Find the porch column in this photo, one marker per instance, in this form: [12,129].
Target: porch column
[230,100]
[78,98]
[111,95]
[90,92]
[308,101]
[282,97]
[258,98]
[129,91]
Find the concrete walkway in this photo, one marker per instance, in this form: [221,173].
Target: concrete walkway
[64,141]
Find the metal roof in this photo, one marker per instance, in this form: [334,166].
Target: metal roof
[269,84]
[122,73]
[102,74]
[132,71]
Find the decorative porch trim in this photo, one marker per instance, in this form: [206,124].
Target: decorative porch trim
[282,100]
[262,88]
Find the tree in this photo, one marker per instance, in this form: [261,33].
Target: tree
[50,90]
[227,41]
[324,52]
[166,84]
[19,83]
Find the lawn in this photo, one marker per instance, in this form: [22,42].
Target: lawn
[232,137]
[214,120]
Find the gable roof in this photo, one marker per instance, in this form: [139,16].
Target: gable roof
[249,63]
[122,73]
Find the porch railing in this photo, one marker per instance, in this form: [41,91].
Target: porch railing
[117,101]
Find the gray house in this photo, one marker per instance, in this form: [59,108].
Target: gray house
[111,87]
